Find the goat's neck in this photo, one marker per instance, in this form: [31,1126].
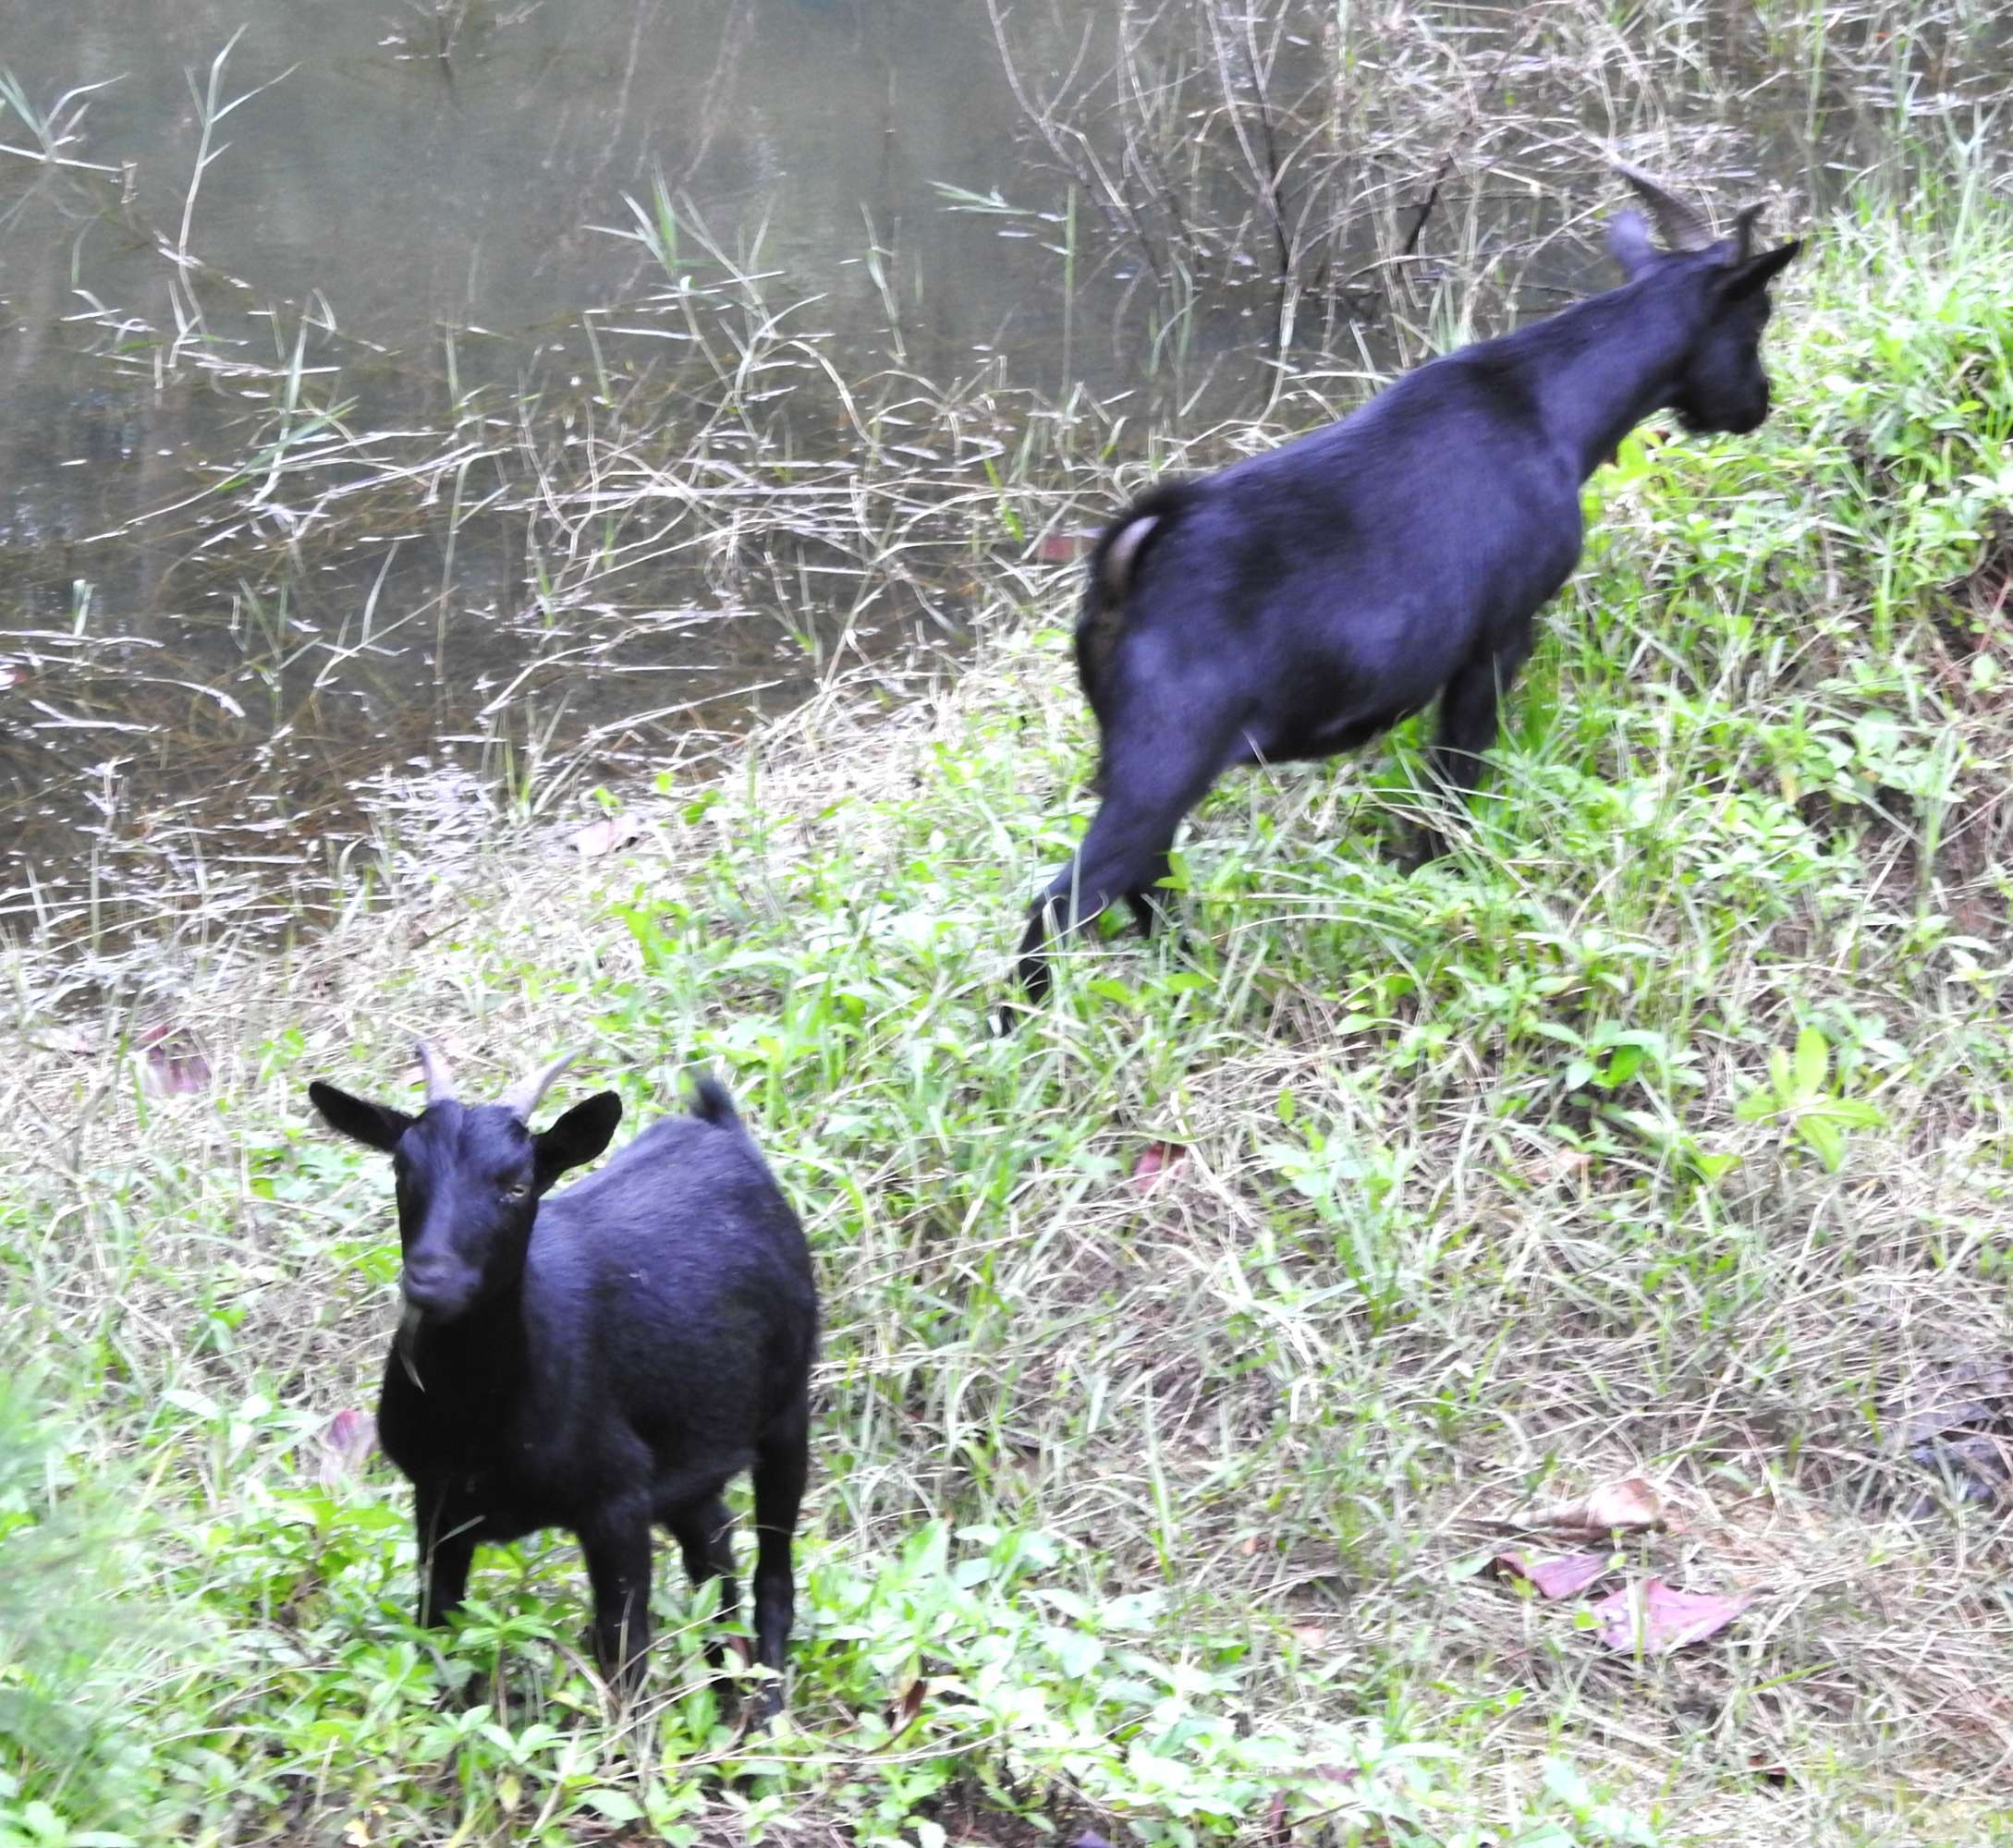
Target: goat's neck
[1601,366]
[467,1364]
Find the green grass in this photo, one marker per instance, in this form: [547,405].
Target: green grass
[1663,1131]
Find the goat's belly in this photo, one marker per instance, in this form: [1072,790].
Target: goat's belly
[508,1511]
[500,1522]
[675,1492]
[1327,736]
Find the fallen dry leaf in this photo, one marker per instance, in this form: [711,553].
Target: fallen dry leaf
[1652,1619]
[1556,1166]
[1957,1424]
[1552,1578]
[1156,1161]
[609,835]
[1625,1507]
[72,1040]
[350,1438]
[1973,1468]
[1970,1392]
[910,1705]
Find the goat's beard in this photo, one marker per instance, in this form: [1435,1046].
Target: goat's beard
[402,1342]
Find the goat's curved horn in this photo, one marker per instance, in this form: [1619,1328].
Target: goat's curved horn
[440,1081]
[1744,231]
[523,1098]
[1683,227]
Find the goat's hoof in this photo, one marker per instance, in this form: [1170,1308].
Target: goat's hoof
[761,1704]
[727,1683]
[462,1690]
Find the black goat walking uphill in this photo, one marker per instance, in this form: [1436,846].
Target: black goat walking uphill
[601,1359]
[1298,604]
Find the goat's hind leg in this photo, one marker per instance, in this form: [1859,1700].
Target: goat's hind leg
[781,1467]
[1149,902]
[705,1537]
[1124,855]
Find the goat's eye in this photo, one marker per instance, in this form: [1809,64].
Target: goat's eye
[517,1190]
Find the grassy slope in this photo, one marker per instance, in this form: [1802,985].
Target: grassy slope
[1173,1495]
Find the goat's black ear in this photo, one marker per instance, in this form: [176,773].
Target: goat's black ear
[1629,244]
[377,1125]
[1757,272]
[578,1136]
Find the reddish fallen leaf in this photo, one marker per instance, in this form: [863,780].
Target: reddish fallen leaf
[173,1062]
[12,673]
[1155,1161]
[1627,1507]
[1062,548]
[1652,1619]
[1552,1578]
[609,835]
[350,1438]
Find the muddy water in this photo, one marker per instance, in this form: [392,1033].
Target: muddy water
[296,438]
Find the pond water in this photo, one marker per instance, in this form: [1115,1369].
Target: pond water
[422,405]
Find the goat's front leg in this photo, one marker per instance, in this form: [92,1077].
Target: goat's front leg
[617,1542]
[1468,707]
[447,1536]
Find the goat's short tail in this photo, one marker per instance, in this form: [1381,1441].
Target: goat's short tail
[711,1104]
[1114,566]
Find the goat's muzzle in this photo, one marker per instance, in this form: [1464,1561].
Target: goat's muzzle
[434,1291]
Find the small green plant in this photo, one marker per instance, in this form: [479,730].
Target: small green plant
[1802,1098]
